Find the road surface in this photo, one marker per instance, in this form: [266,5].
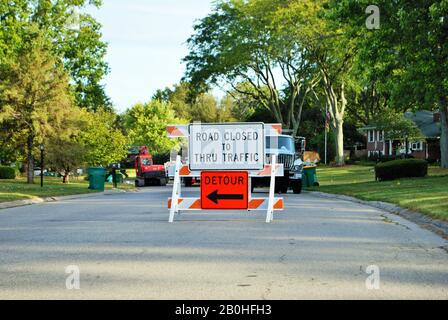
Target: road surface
[125,249]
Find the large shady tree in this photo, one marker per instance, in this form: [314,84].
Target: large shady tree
[331,49]
[240,42]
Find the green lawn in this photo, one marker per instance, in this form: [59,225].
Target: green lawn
[427,195]
[11,190]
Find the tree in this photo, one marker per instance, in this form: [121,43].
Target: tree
[103,142]
[64,156]
[145,125]
[331,50]
[203,107]
[238,42]
[34,96]
[409,53]
[75,40]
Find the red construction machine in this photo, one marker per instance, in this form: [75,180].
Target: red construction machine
[147,173]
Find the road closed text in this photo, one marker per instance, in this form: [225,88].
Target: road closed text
[226,147]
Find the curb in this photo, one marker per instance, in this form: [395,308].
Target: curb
[29,202]
[437,226]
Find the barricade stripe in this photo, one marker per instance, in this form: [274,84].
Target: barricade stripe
[181,131]
[279,205]
[256,203]
[184,171]
[175,132]
[170,202]
[266,172]
[196,205]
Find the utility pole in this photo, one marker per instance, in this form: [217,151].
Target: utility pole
[41,147]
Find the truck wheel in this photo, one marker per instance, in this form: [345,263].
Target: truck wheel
[139,183]
[281,187]
[163,182]
[297,187]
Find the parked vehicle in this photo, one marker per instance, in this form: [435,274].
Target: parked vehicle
[289,152]
[147,173]
[37,172]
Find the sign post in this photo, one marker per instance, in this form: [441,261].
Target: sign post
[176,190]
[225,156]
[270,214]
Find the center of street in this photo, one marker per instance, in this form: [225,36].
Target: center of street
[125,248]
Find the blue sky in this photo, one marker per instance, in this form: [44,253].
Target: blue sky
[146,44]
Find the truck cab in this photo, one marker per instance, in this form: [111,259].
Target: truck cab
[289,152]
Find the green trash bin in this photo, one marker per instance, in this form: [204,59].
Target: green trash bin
[304,180]
[97,177]
[311,176]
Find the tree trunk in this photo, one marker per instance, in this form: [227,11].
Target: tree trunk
[337,103]
[65,178]
[339,141]
[30,160]
[444,136]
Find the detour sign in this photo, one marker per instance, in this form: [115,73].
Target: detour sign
[223,190]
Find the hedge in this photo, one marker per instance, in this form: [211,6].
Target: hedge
[407,168]
[7,173]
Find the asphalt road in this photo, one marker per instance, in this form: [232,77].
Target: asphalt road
[125,249]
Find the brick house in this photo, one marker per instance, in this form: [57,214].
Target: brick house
[427,148]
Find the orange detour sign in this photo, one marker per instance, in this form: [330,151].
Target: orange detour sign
[224,190]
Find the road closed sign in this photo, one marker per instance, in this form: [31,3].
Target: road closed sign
[224,190]
[226,146]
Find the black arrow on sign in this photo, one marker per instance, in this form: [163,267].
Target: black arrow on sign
[215,196]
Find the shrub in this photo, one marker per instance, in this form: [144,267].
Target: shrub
[7,173]
[407,168]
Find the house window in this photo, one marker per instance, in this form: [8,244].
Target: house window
[380,136]
[417,146]
[371,136]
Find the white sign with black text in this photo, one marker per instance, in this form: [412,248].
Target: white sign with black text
[235,146]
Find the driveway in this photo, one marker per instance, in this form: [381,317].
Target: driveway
[125,249]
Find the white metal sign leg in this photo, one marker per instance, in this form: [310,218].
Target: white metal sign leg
[176,190]
[270,213]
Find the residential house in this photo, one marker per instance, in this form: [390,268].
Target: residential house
[426,148]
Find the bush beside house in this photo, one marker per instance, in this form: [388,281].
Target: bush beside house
[408,168]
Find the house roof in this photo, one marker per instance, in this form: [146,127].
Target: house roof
[425,122]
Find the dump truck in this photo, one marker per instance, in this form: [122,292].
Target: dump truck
[148,173]
[289,152]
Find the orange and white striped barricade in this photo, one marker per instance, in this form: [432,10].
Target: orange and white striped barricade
[183,131]
[177,203]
